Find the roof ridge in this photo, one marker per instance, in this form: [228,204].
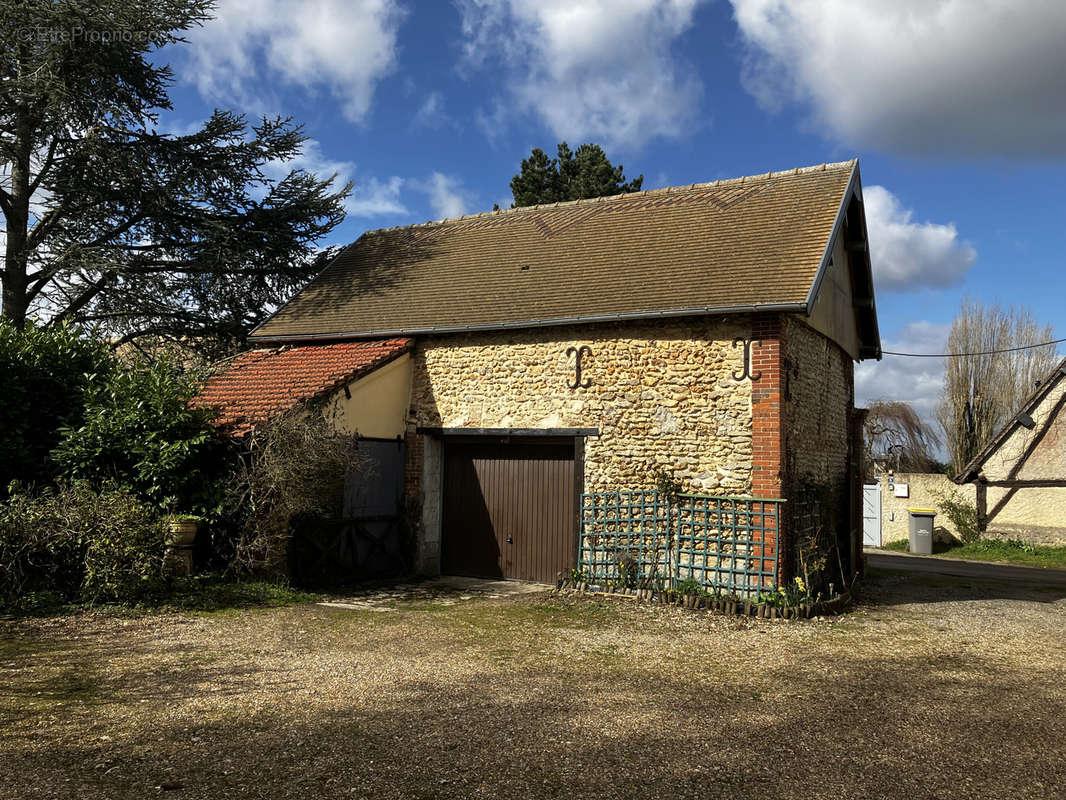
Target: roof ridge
[763,176]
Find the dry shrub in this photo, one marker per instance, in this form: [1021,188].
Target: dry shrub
[293,466]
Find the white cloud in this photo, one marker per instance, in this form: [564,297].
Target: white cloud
[431,113]
[907,255]
[345,46]
[917,381]
[589,69]
[446,194]
[373,197]
[493,123]
[950,77]
[370,196]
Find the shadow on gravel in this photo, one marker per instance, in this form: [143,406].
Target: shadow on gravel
[942,725]
[898,587]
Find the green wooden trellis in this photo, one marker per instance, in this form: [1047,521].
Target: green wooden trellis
[724,543]
[616,526]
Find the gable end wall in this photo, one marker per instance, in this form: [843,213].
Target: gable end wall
[818,391]
[1035,515]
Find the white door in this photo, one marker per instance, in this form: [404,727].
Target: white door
[871,515]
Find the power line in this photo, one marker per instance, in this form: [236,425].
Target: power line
[965,355]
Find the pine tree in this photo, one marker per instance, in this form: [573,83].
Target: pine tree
[571,176]
[109,221]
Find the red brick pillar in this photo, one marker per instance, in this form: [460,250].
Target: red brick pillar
[413,470]
[767,421]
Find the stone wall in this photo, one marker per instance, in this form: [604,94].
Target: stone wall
[819,397]
[817,390]
[662,395]
[924,490]
[1037,516]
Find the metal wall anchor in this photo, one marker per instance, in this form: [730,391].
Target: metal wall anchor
[578,352]
[746,372]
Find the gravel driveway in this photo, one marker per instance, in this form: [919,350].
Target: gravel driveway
[932,688]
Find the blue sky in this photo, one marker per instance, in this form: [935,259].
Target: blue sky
[956,108]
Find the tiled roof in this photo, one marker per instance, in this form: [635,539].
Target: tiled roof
[260,384]
[723,246]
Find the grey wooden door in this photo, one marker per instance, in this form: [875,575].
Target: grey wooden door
[367,540]
[871,515]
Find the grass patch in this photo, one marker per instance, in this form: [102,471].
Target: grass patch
[1008,551]
[207,593]
[211,593]
[1011,551]
[563,614]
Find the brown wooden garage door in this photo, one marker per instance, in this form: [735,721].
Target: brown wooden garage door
[509,509]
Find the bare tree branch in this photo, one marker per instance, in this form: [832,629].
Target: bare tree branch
[982,391]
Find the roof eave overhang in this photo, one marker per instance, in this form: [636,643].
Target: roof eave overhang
[870,345]
[781,308]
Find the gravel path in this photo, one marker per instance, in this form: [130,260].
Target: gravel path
[933,688]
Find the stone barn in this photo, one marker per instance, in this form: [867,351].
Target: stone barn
[659,381]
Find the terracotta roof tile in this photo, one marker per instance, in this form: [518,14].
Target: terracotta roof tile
[728,244]
[261,384]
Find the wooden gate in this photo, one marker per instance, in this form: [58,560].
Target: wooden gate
[509,509]
[367,541]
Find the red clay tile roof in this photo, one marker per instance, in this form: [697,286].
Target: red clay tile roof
[261,384]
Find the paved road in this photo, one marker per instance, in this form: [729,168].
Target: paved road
[876,559]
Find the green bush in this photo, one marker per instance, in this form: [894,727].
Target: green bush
[141,431]
[37,551]
[124,548]
[82,544]
[72,411]
[46,371]
[962,515]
